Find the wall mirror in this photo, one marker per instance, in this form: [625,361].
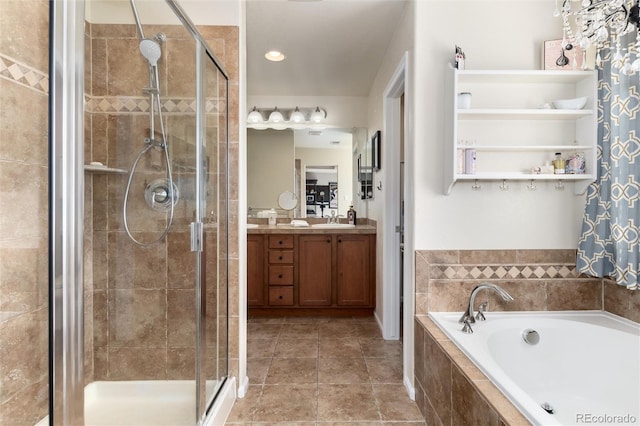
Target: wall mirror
[283,160]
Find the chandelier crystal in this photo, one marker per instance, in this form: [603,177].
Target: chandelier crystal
[600,24]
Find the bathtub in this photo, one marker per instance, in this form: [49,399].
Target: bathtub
[585,367]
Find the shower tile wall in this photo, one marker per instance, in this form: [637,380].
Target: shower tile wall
[24,55]
[143,298]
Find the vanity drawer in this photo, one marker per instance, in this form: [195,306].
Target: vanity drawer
[281,295]
[280,256]
[281,241]
[280,275]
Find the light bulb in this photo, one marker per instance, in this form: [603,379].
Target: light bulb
[297,116]
[276,116]
[254,116]
[317,116]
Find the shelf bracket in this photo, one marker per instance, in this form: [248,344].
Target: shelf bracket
[559,185]
[532,186]
[476,185]
[504,186]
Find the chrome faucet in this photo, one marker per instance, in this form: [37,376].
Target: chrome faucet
[333,218]
[467,318]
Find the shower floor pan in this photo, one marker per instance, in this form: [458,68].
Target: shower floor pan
[140,403]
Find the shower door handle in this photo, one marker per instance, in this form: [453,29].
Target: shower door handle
[196,236]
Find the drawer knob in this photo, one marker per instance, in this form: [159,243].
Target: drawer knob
[280,276]
[279,257]
[280,242]
[328,241]
[280,297]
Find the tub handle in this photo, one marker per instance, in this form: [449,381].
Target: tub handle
[467,327]
[481,310]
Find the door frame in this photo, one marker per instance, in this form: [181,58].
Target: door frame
[399,84]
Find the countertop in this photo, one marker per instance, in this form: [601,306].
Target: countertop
[288,229]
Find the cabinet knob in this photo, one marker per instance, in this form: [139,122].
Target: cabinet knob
[280,297]
[279,257]
[339,241]
[280,242]
[328,241]
[280,276]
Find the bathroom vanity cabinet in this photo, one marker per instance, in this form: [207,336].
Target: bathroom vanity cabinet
[513,128]
[311,272]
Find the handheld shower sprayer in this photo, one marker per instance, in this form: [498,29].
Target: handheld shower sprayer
[161,194]
[151,50]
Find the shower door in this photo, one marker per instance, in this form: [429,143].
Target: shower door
[149,292]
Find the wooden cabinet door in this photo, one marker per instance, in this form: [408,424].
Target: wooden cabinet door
[314,270]
[354,270]
[255,270]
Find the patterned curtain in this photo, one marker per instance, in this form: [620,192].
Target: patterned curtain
[610,241]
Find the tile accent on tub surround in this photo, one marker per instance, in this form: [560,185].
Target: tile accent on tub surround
[537,279]
[620,301]
[452,390]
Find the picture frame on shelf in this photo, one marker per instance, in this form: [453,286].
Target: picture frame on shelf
[552,50]
[376,153]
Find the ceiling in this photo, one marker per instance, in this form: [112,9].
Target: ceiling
[332,47]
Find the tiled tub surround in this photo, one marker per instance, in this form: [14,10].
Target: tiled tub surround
[24,84]
[450,390]
[143,298]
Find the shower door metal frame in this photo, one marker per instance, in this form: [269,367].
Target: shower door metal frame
[66,205]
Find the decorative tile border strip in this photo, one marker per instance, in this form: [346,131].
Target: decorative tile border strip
[137,104]
[25,75]
[505,272]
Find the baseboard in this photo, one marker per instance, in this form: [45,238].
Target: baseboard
[223,405]
[375,315]
[411,390]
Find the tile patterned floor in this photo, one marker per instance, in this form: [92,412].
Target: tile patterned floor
[323,372]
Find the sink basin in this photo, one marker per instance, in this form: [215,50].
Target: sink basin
[333,225]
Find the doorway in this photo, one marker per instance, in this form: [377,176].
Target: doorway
[398,302]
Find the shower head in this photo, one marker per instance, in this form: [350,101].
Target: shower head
[151,50]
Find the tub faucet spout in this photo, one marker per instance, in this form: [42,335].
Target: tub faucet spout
[468,317]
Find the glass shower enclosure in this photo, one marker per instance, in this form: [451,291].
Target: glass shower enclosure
[139,219]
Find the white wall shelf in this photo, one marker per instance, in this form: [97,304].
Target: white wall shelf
[512,128]
[521,114]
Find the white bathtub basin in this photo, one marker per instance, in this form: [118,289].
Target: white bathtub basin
[333,225]
[585,364]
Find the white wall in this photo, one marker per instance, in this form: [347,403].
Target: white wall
[270,166]
[399,51]
[332,157]
[494,35]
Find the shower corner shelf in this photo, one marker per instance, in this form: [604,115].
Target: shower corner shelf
[509,129]
[93,168]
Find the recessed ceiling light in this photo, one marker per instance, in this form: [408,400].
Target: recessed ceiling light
[274,55]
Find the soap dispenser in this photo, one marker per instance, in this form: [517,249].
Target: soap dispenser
[351,215]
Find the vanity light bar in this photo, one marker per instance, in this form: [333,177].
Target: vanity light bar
[286,118]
